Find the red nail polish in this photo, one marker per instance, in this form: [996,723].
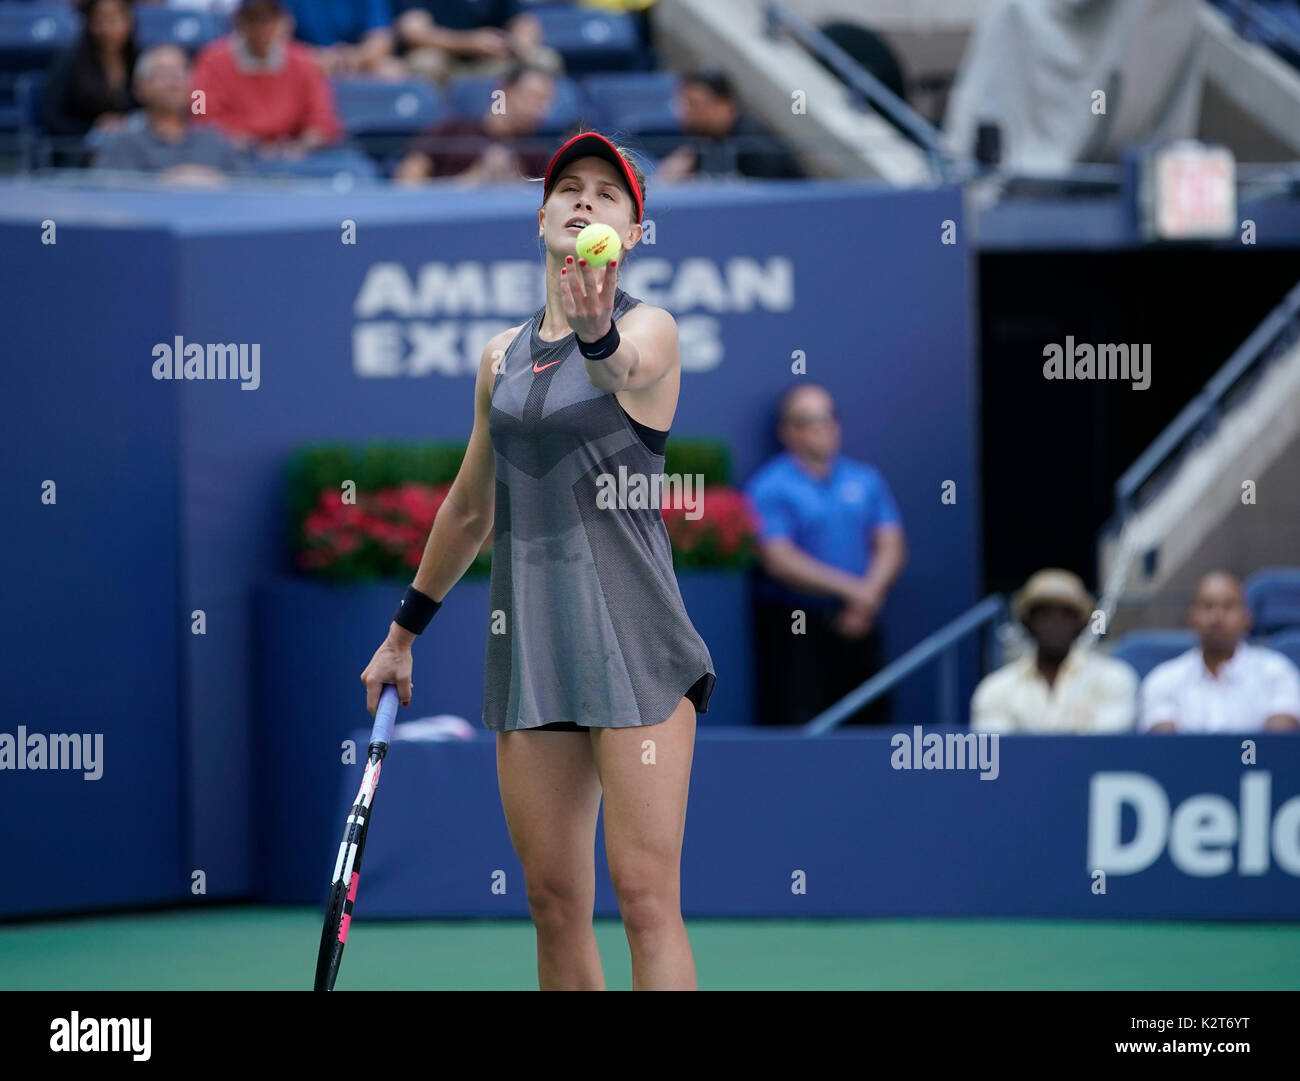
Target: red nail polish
[563,272]
[613,262]
[582,262]
[568,258]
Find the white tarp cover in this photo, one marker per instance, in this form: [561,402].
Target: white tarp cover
[1033,67]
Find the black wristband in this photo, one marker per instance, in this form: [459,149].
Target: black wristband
[415,610]
[602,347]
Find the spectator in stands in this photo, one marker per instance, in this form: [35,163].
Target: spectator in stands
[1222,684]
[264,89]
[722,141]
[351,37]
[477,150]
[89,86]
[442,39]
[831,545]
[160,138]
[1060,686]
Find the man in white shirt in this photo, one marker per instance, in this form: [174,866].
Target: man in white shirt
[1060,687]
[1223,684]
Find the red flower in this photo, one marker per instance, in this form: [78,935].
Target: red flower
[724,531]
[383,534]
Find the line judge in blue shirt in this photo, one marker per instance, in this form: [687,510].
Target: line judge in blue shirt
[831,544]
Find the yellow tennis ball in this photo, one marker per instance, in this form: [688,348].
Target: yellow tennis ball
[598,244]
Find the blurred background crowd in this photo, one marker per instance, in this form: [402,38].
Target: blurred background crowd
[411,90]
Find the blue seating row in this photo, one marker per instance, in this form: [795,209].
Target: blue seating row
[31,33]
[1273,596]
[633,103]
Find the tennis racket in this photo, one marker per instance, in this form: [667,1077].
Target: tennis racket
[347,868]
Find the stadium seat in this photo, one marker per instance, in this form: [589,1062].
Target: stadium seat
[1286,43]
[31,35]
[1143,650]
[191,30]
[471,95]
[591,40]
[1288,644]
[1279,30]
[28,89]
[639,102]
[345,165]
[379,106]
[1273,596]
[1285,12]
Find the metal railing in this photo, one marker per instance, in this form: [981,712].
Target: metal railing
[1202,414]
[942,644]
[864,87]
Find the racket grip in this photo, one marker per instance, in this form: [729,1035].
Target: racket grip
[385,715]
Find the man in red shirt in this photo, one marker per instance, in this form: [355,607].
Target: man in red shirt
[263,88]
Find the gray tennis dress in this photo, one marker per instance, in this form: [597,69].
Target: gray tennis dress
[595,631]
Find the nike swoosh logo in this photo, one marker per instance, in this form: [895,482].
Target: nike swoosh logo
[545,366]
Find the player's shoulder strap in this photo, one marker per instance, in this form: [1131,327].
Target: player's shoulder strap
[525,329]
[624,303]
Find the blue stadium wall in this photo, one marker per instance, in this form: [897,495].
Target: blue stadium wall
[170,493]
[900,823]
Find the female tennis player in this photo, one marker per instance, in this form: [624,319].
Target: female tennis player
[590,654]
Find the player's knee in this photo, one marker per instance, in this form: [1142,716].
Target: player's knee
[554,904]
[646,904]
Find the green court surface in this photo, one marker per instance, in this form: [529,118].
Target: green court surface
[275,949]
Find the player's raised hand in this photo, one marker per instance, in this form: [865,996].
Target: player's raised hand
[588,296]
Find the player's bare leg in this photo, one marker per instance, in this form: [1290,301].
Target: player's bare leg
[551,796]
[645,773]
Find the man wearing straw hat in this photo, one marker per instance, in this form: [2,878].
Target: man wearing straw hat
[1060,686]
